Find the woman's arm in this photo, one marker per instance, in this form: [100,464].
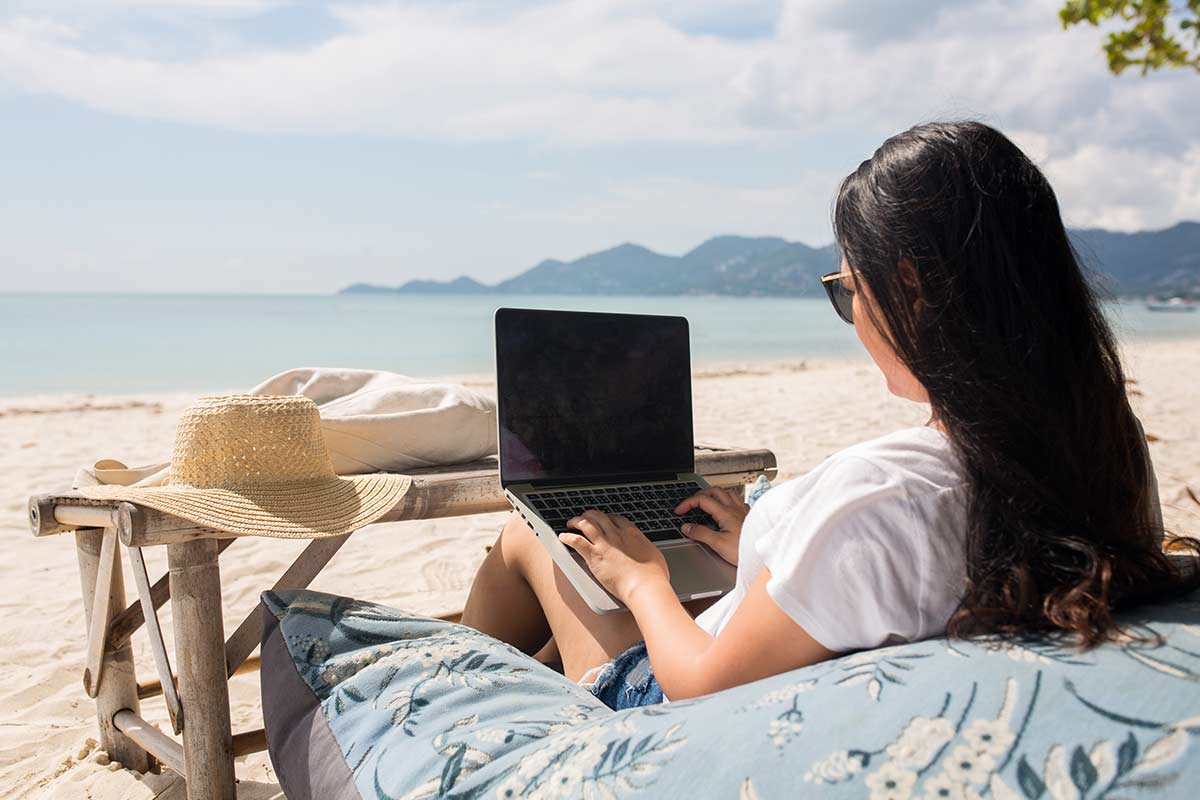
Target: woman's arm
[758,641]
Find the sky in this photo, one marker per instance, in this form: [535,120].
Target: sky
[275,146]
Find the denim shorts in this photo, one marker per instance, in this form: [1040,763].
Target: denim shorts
[625,682]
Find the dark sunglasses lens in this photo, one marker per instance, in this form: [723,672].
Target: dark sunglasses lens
[842,299]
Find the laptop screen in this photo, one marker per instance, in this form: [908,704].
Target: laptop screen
[592,395]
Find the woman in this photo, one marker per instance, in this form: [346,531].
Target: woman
[1027,504]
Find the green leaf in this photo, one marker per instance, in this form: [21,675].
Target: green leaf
[1083,772]
[604,757]
[1127,755]
[1145,38]
[452,768]
[620,753]
[1158,781]
[1031,785]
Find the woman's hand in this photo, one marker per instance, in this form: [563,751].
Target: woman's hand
[727,509]
[617,553]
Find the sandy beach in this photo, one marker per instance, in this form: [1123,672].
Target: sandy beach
[803,411]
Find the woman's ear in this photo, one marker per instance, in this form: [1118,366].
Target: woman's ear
[908,276]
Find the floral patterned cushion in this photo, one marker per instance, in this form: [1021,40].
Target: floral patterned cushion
[409,707]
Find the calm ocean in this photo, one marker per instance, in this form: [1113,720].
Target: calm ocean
[139,343]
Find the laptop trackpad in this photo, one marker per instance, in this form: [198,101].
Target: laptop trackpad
[694,569]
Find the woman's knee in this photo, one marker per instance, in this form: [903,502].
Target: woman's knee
[516,537]
[515,528]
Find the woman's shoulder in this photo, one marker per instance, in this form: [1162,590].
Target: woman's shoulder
[906,446]
[909,461]
[860,547]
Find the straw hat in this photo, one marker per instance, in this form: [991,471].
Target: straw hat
[257,464]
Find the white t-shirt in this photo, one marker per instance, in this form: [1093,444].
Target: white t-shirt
[864,550]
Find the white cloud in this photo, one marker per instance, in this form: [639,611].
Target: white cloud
[586,72]
[1125,188]
[42,28]
[673,215]
[570,72]
[589,71]
[210,6]
[99,12]
[869,21]
[219,8]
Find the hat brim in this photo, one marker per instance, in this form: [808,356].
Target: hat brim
[295,510]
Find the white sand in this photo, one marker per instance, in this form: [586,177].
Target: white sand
[802,412]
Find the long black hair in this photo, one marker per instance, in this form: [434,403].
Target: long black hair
[958,238]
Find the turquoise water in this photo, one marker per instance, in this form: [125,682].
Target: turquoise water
[138,343]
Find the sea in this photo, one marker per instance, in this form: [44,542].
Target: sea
[124,344]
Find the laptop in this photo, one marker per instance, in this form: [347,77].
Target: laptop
[595,411]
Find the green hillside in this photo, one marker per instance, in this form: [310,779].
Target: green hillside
[1160,262]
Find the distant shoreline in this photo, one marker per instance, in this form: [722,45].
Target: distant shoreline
[189,343]
[69,402]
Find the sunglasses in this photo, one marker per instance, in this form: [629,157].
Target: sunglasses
[840,294]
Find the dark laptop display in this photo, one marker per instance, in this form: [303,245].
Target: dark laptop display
[601,395]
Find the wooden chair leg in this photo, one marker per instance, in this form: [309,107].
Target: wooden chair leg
[101,616]
[116,688]
[200,654]
[158,647]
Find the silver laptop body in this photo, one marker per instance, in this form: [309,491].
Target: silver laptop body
[594,411]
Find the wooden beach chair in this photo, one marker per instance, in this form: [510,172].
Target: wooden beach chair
[197,693]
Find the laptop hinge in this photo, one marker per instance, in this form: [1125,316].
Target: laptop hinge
[628,477]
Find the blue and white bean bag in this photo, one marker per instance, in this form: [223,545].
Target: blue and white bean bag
[364,701]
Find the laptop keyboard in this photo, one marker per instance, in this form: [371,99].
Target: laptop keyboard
[649,506]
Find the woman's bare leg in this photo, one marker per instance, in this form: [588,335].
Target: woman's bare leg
[501,603]
[583,638]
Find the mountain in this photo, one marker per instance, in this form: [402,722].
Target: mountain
[613,271]
[738,266]
[1163,262]
[460,285]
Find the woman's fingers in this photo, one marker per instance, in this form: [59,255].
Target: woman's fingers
[624,522]
[688,503]
[590,529]
[720,512]
[576,542]
[723,497]
[594,523]
[730,497]
[701,533]
[606,524]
